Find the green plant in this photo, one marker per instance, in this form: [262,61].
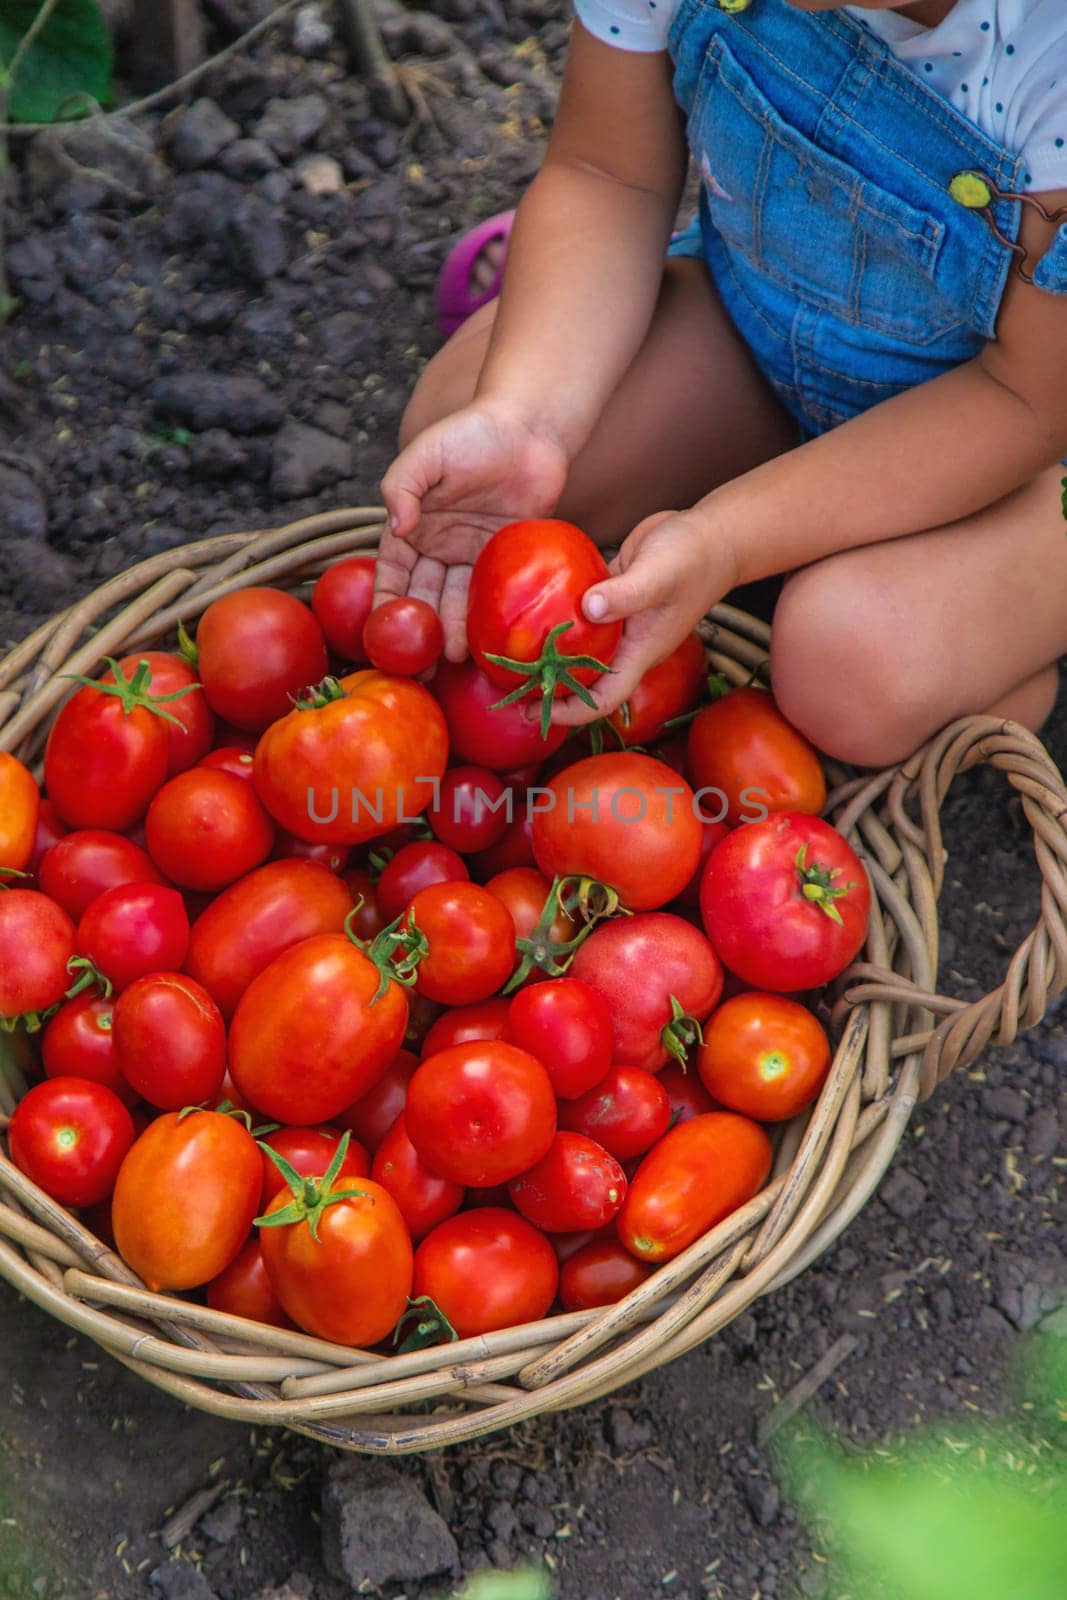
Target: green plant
[525,1583]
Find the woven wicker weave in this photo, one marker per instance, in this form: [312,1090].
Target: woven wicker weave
[897,1039]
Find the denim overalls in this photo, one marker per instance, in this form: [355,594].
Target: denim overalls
[843,210]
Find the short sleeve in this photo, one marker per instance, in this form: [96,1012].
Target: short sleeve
[1030,91]
[628,24]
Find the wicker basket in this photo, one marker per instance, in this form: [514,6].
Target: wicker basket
[897,1039]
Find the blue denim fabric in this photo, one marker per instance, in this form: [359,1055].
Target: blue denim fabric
[826,219]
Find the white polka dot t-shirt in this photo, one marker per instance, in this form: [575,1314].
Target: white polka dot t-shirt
[1003,63]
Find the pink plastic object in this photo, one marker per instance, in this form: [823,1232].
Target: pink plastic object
[456,297]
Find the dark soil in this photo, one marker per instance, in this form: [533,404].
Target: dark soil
[124,433]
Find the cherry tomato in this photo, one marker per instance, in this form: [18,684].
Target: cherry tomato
[371,1116]
[170,1040]
[79,1042]
[107,754]
[189,736]
[687,1095]
[764,1055]
[135,929]
[416,866]
[185,1198]
[785,902]
[50,829]
[567,1026]
[472,809]
[624,819]
[486,1269]
[525,892]
[481,1113]
[404,636]
[743,748]
[666,691]
[20,804]
[599,1274]
[513,849]
[231,758]
[69,1136]
[243,1289]
[342,600]
[309,1152]
[471,940]
[424,1198]
[206,829]
[36,942]
[256,648]
[698,1173]
[488,1019]
[500,738]
[627,1111]
[287,847]
[576,1184]
[83,864]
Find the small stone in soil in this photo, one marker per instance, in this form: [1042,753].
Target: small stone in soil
[221,1523]
[23,509]
[257,241]
[199,134]
[202,400]
[377,1528]
[1005,1102]
[1042,1134]
[305,460]
[903,1194]
[179,1580]
[248,158]
[763,1500]
[312,34]
[287,125]
[320,174]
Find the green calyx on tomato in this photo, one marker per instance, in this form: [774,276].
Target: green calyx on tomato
[603,726]
[88,975]
[681,1033]
[133,692]
[431,1326]
[187,646]
[551,671]
[540,950]
[318,695]
[226,1108]
[12,873]
[592,900]
[396,951]
[817,885]
[718,685]
[311,1196]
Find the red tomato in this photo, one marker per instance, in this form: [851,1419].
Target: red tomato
[174,681]
[231,758]
[79,1042]
[627,1112]
[243,1289]
[785,902]
[206,829]
[170,1041]
[309,1152]
[416,866]
[228,1097]
[599,1274]
[525,621]
[20,804]
[335,857]
[255,920]
[486,1269]
[487,1019]
[666,691]
[229,737]
[342,600]
[185,1198]
[371,1116]
[764,1055]
[135,929]
[514,849]
[687,1095]
[367,920]
[567,1026]
[50,829]
[107,754]
[362,756]
[659,977]
[576,1184]
[624,819]
[404,636]
[424,1198]
[471,940]
[255,649]
[698,1173]
[69,1136]
[481,1113]
[471,810]
[711,833]
[743,749]
[36,942]
[83,864]
[526,892]
[500,738]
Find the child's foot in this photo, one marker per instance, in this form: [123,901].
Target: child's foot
[473,271]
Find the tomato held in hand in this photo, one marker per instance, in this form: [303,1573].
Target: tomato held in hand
[185,1198]
[342,600]
[36,942]
[415,866]
[471,942]
[626,1113]
[70,1136]
[373,1114]
[20,803]
[488,1019]
[486,1269]
[170,1041]
[699,1173]
[84,864]
[567,1026]
[206,829]
[174,681]
[576,1184]
[600,1273]
[471,810]
[482,731]
[666,691]
[243,1289]
[255,649]
[424,1198]
[481,1113]
[309,1151]
[79,1042]
[764,1055]
[107,754]
[135,929]
[404,636]
[742,747]
[785,902]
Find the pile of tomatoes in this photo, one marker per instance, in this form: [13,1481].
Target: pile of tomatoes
[356,995]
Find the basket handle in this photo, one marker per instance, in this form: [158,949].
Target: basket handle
[1038,969]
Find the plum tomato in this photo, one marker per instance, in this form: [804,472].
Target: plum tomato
[341,601]
[486,1269]
[373,1114]
[135,929]
[415,866]
[627,1111]
[600,1273]
[256,648]
[576,1184]
[471,810]
[481,1113]
[751,760]
[404,636]
[243,1289]
[764,1055]
[424,1198]
[174,681]
[36,942]
[470,942]
[481,731]
[567,1026]
[20,805]
[79,1042]
[108,753]
[206,829]
[70,1137]
[696,1175]
[666,691]
[83,864]
[309,1152]
[170,1040]
[487,1019]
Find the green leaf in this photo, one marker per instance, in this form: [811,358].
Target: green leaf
[524,1583]
[71,56]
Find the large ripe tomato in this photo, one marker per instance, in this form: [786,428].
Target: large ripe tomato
[764,1055]
[170,1041]
[481,1113]
[471,809]
[404,636]
[83,864]
[312,1032]
[309,1152]
[70,1136]
[627,1111]
[206,829]
[373,1114]
[107,754]
[471,942]
[486,1269]
[254,921]
[174,681]
[256,648]
[742,748]
[185,1198]
[243,1289]
[20,803]
[660,979]
[135,929]
[36,942]
[525,622]
[698,1173]
[598,1274]
[415,866]
[79,1042]
[666,691]
[567,1026]
[479,729]
[424,1198]
[576,1184]
[542,925]
[687,1095]
[624,819]
[342,600]
[785,902]
[487,1019]
[359,757]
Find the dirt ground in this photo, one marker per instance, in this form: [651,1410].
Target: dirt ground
[187,260]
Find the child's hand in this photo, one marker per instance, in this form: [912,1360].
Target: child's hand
[448,492]
[670,570]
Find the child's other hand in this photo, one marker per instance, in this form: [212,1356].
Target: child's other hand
[670,570]
[453,486]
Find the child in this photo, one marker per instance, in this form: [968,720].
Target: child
[854,371]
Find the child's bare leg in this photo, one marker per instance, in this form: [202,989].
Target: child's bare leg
[874,650]
[691,412]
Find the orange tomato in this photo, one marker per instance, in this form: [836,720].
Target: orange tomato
[20,801]
[743,747]
[764,1055]
[698,1173]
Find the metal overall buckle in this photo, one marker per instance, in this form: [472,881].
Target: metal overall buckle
[977,192]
